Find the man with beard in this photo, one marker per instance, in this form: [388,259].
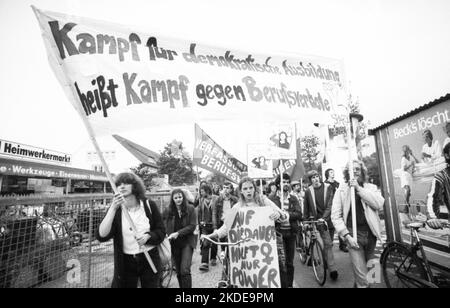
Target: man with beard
[288,228]
[368,201]
[441,192]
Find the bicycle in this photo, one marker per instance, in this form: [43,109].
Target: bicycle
[166,274]
[62,227]
[311,249]
[224,259]
[302,241]
[404,267]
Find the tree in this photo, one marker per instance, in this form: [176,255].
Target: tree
[176,163]
[339,127]
[310,152]
[218,178]
[145,173]
[372,168]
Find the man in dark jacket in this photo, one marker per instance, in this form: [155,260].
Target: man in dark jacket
[317,206]
[288,228]
[334,185]
[207,221]
[225,202]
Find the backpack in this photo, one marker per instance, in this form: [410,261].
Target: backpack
[164,250]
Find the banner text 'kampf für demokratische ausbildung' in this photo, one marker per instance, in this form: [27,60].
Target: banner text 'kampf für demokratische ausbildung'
[113,74]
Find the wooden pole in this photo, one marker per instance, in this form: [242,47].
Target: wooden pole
[260,188]
[281,188]
[111,181]
[351,176]
[68,84]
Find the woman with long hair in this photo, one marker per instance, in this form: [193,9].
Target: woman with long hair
[249,197]
[130,243]
[407,166]
[181,223]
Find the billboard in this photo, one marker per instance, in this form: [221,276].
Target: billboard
[416,145]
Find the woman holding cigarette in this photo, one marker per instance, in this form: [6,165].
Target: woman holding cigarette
[130,242]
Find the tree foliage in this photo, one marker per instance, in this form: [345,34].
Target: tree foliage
[310,151]
[145,173]
[372,168]
[177,163]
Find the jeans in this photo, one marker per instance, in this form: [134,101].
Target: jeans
[326,239]
[137,267]
[182,257]
[289,250]
[206,246]
[359,257]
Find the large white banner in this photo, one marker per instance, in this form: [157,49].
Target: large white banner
[120,78]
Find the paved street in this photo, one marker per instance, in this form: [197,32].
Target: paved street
[303,277]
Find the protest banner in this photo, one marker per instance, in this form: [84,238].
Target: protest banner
[113,73]
[282,138]
[210,156]
[293,167]
[254,263]
[259,160]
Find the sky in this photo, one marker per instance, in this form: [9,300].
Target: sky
[396,55]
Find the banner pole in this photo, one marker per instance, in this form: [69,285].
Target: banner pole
[260,188]
[66,83]
[351,176]
[113,185]
[281,188]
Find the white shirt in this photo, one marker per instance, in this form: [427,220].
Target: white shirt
[226,208]
[142,224]
[434,151]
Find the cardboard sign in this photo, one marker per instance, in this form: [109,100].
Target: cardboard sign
[259,162]
[254,263]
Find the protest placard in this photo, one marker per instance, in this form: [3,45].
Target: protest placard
[254,263]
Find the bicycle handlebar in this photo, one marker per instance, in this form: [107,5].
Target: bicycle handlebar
[315,222]
[227,243]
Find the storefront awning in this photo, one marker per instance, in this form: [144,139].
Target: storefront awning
[32,169]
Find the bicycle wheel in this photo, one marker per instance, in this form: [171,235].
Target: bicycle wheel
[300,247]
[402,268]
[166,274]
[318,263]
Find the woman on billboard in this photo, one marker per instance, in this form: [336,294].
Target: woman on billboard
[408,164]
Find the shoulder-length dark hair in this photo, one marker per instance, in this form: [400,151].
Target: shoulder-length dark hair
[173,207]
[138,187]
[364,174]
[207,189]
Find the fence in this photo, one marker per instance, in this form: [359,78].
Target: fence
[49,241]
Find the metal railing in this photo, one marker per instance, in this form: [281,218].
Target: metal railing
[49,241]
